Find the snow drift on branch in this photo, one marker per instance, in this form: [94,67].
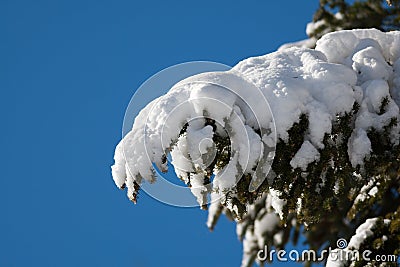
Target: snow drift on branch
[347,67]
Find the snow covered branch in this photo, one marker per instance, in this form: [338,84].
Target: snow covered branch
[279,133]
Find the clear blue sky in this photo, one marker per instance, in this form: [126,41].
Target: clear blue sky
[67,72]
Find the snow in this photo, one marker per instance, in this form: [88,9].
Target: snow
[265,226]
[340,45]
[364,191]
[359,147]
[369,62]
[213,210]
[199,190]
[261,227]
[395,91]
[228,176]
[306,154]
[314,25]
[364,231]
[277,203]
[298,81]
[306,43]
[373,191]
[257,102]
[180,159]
[249,245]
[333,261]
[199,141]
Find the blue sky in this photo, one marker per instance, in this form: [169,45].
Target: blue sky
[67,72]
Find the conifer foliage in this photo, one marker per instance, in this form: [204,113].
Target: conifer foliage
[333,15]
